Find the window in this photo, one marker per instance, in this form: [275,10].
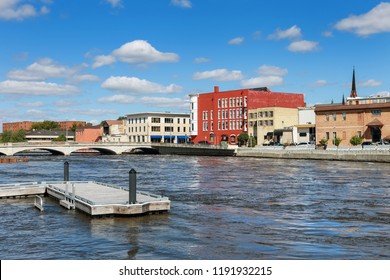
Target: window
[266,114]
[271,122]
[302,134]
[359,134]
[168,129]
[327,117]
[271,114]
[168,120]
[219,103]
[334,135]
[344,116]
[155,120]
[376,112]
[334,116]
[327,135]
[156,128]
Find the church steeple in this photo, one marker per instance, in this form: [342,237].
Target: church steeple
[353,90]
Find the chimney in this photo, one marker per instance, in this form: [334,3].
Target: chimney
[216,89]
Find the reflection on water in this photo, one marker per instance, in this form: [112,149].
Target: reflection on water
[221,208]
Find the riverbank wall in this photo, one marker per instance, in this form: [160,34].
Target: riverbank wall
[374,154]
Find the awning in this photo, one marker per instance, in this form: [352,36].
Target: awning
[155,136]
[182,137]
[374,123]
[169,137]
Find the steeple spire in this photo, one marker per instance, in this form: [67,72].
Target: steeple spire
[353,90]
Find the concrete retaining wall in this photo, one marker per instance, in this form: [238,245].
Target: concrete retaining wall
[371,155]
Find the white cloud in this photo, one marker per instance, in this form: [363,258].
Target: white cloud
[182,3]
[375,21]
[31,104]
[268,70]
[327,34]
[370,83]
[138,51]
[88,112]
[135,85]
[16,10]
[165,102]
[266,81]
[46,68]
[269,76]
[221,75]
[102,60]
[236,41]
[303,46]
[201,60]
[114,3]
[119,98]
[294,32]
[35,88]
[319,83]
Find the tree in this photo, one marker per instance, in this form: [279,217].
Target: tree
[242,138]
[60,138]
[252,141]
[356,140]
[323,142]
[337,141]
[46,125]
[13,136]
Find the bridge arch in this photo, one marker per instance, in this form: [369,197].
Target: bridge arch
[50,150]
[103,151]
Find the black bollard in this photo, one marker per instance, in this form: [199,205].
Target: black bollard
[132,186]
[66,171]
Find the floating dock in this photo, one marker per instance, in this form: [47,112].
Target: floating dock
[93,198]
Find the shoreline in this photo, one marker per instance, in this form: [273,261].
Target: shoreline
[342,154]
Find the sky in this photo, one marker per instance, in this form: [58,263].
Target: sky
[95,60]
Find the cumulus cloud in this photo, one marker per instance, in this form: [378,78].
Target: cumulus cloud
[17,10]
[134,85]
[375,21]
[269,76]
[294,32]
[46,68]
[303,46]
[201,60]
[182,3]
[118,98]
[114,3]
[31,104]
[370,83]
[138,51]
[166,102]
[220,75]
[35,88]
[269,70]
[236,41]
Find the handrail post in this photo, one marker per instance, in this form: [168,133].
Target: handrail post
[66,171]
[132,186]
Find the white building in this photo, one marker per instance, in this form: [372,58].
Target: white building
[304,131]
[114,131]
[158,127]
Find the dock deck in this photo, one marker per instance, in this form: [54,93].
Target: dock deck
[90,197]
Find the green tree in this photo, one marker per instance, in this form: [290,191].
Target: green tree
[60,138]
[252,141]
[13,136]
[323,142]
[242,139]
[337,141]
[46,125]
[356,140]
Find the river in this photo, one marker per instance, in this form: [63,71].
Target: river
[221,208]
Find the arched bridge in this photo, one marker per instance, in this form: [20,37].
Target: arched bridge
[66,148]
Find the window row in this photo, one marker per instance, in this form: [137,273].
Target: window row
[156,120]
[232,102]
[157,129]
[264,114]
[225,125]
[261,123]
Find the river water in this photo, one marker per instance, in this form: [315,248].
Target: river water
[221,208]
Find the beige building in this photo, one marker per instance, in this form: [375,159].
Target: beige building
[114,131]
[158,128]
[272,124]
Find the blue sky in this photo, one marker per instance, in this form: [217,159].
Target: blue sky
[94,60]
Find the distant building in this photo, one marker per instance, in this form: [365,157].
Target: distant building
[366,117]
[305,130]
[39,136]
[114,131]
[89,134]
[27,125]
[272,124]
[158,127]
[220,116]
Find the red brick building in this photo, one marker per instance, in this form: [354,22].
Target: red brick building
[89,134]
[222,115]
[27,125]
